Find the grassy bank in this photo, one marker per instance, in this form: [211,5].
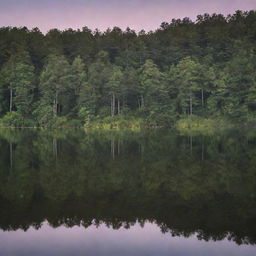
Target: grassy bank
[192,124]
[203,125]
[116,123]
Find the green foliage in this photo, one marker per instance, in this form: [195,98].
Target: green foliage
[60,122]
[54,83]
[205,68]
[160,119]
[152,86]
[116,123]
[85,115]
[44,115]
[11,119]
[200,125]
[18,77]
[74,123]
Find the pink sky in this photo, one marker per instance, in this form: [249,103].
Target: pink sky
[137,14]
[108,242]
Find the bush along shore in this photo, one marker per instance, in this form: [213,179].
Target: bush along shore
[186,124]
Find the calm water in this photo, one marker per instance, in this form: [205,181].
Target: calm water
[128,193]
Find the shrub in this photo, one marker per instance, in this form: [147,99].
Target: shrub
[12,119]
[116,122]
[74,123]
[60,122]
[85,115]
[202,125]
[44,116]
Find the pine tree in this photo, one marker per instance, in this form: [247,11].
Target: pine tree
[54,83]
[115,89]
[152,86]
[19,79]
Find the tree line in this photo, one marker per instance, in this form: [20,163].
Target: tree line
[205,68]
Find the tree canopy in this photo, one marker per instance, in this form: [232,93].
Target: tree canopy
[205,68]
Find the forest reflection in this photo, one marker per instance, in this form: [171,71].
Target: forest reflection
[203,185]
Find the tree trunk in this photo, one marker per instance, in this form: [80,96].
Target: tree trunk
[142,101]
[191,105]
[11,155]
[113,105]
[11,96]
[111,108]
[55,105]
[202,97]
[118,107]
[139,105]
[123,103]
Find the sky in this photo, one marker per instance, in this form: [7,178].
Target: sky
[101,14]
[103,241]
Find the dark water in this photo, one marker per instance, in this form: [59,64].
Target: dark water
[127,193]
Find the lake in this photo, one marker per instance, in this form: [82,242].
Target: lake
[71,192]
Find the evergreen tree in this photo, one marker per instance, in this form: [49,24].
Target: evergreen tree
[98,77]
[189,80]
[54,83]
[152,85]
[78,79]
[204,68]
[19,80]
[115,89]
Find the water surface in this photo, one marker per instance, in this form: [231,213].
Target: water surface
[127,193]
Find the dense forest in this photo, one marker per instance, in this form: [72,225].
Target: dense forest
[205,68]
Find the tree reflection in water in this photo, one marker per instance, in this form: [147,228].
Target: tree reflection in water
[187,185]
